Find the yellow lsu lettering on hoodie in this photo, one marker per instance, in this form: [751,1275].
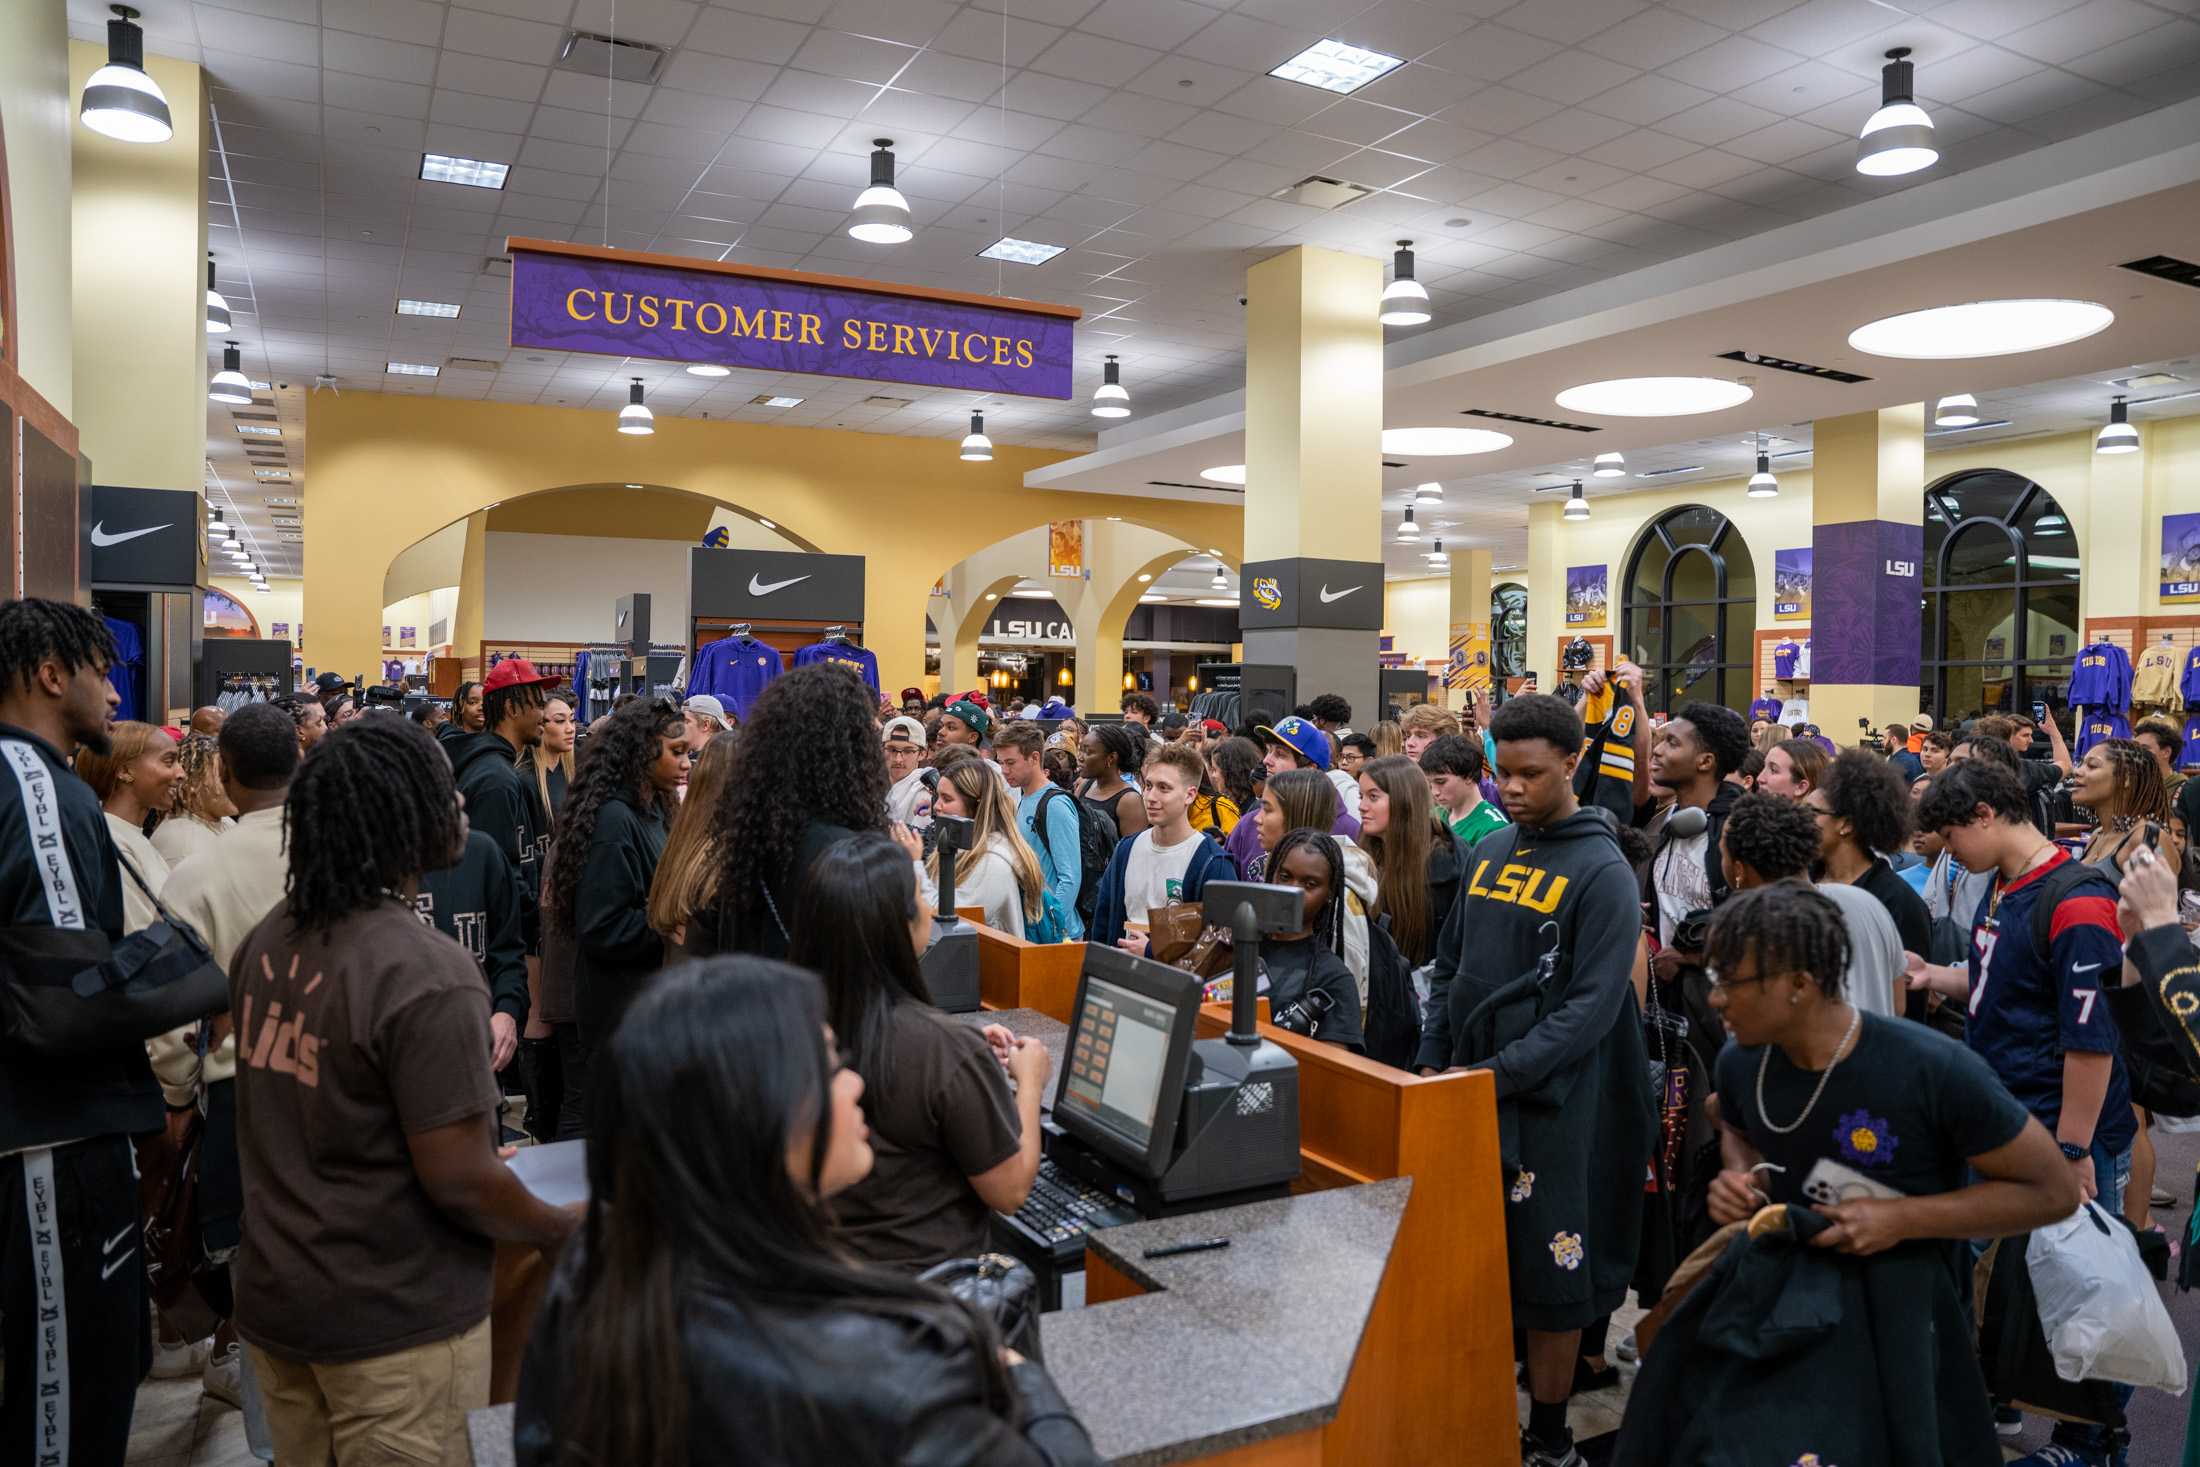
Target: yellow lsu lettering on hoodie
[1519,884]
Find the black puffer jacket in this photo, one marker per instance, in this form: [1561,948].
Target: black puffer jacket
[830,1385]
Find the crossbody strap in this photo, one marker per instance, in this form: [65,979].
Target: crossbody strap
[42,825]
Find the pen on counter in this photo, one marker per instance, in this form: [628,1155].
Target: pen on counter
[1204,1245]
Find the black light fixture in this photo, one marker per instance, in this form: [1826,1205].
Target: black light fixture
[2117,435]
[1408,531]
[881,213]
[120,100]
[1220,582]
[1761,484]
[217,308]
[1898,138]
[976,447]
[635,417]
[1577,504]
[1405,300]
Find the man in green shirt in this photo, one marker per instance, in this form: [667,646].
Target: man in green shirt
[1453,764]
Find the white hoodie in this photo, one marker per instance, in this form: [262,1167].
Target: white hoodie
[1360,889]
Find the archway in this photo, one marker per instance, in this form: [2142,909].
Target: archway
[1690,610]
[2002,621]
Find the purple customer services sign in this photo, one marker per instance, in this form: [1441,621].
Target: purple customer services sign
[619,303]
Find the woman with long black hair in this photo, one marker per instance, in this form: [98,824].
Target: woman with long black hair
[707,1312]
[597,898]
[812,773]
[953,1146]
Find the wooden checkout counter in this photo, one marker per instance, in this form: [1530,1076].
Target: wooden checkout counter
[1252,1342]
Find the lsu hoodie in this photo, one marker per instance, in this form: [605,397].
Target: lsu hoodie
[1575,1116]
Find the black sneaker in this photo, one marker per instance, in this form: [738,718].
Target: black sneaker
[2008,1421]
[1541,1454]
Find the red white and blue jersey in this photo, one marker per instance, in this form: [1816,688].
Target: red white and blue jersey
[2096,726]
[2029,1008]
[862,660]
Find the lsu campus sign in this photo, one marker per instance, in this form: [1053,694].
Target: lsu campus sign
[619,303]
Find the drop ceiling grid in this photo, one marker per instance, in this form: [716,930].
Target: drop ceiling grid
[1581,138]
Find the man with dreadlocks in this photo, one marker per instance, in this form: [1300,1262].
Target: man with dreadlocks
[507,807]
[361,1041]
[72,1299]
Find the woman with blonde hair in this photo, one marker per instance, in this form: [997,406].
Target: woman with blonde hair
[687,872]
[999,873]
[202,809]
[136,783]
[1793,767]
[550,762]
[1389,739]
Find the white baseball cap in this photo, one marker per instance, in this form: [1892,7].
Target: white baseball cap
[903,727]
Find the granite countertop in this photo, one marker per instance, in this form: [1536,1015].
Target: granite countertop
[1027,1024]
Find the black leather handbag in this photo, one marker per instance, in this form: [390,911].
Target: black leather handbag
[1000,1288]
[68,991]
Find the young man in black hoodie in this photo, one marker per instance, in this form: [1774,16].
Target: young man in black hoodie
[1573,1099]
[72,1295]
[476,900]
[504,804]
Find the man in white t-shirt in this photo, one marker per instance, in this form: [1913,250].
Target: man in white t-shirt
[908,798]
[1166,862]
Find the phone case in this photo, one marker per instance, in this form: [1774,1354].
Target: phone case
[1830,1182]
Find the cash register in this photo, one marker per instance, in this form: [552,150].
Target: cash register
[1149,1121]
[950,964]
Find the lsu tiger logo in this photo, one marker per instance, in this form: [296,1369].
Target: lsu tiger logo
[1268,593]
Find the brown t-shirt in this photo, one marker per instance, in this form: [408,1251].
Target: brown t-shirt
[346,1044]
[943,1116]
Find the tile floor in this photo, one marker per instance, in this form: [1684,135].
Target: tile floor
[178,1425]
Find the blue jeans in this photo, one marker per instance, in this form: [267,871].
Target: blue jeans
[2111,1174]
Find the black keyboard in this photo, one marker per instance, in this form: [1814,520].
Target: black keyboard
[1061,1210]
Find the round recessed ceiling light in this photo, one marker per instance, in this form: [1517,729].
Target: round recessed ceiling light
[1443,442]
[1654,397]
[708,369]
[1225,474]
[1982,329]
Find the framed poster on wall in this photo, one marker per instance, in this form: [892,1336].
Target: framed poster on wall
[1586,596]
[2180,559]
[1791,585]
[1066,548]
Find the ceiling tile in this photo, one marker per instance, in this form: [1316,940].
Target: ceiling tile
[503,36]
[1096,59]
[1734,62]
[978,36]
[856,58]
[2083,30]
[1569,21]
[1778,142]
[2176,45]
[370,56]
[1702,170]
[653,22]
[490,77]
[1163,23]
[1403,28]
[1638,151]
[1717,120]
[751,37]
[1573,131]
[1818,26]
[417,21]
[1056,97]
[912,22]
[1988,20]
[1268,99]
[366,94]
[1500,110]
[718,76]
[1572,76]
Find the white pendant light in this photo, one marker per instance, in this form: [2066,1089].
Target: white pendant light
[1437,559]
[1957,410]
[1609,466]
[231,542]
[213,519]
[635,417]
[1220,582]
[120,100]
[1577,504]
[1109,400]
[1430,493]
[217,308]
[1405,300]
[976,447]
[2116,435]
[1898,138]
[1761,484]
[1408,531]
[881,213]
[230,384]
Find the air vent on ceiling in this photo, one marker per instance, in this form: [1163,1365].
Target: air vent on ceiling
[2167,267]
[1317,192]
[290,537]
[1532,422]
[255,417]
[1173,484]
[883,400]
[2146,381]
[593,56]
[497,265]
[286,521]
[280,499]
[1783,364]
[471,364]
[1668,473]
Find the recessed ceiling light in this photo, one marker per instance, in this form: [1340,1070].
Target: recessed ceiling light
[271,473]
[1982,329]
[765,399]
[256,430]
[411,369]
[1336,67]
[443,309]
[1144,576]
[1442,442]
[472,172]
[1211,600]
[1225,474]
[1654,397]
[767,524]
[1020,251]
[708,369]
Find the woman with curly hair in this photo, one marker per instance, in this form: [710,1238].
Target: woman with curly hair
[617,814]
[202,809]
[812,772]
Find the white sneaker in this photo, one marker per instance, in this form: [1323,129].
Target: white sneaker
[223,1377]
[1624,1351]
[180,1359]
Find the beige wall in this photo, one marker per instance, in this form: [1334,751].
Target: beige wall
[1417,617]
[139,247]
[421,611]
[425,565]
[37,114]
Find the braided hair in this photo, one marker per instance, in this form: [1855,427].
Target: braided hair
[619,756]
[34,630]
[1118,740]
[1329,922]
[372,809]
[1789,926]
[2141,793]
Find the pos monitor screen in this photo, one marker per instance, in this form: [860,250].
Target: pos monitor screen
[1130,1043]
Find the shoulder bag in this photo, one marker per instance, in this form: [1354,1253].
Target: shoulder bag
[1000,1288]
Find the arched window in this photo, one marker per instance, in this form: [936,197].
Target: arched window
[2001,622]
[1508,631]
[1690,614]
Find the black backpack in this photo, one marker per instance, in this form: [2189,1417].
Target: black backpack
[1096,839]
[1391,1027]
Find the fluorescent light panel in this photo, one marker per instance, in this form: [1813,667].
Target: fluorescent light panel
[443,309]
[1020,251]
[1336,67]
[471,172]
[256,430]
[766,400]
[411,369]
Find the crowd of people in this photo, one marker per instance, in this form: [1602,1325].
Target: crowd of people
[1746,967]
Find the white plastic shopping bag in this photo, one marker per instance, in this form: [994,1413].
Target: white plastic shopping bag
[2099,1308]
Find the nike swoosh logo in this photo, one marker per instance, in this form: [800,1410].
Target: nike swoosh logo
[109,1245]
[2083,967]
[101,538]
[765,588]
[1329,596]
[109,1270]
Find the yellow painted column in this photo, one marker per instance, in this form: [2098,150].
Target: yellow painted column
[1867,554]
[473,593]
[1311,595]
[1546,582]
[1470,628]
[138,253]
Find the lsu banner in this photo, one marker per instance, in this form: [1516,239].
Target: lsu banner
[1066,548]
[618,303]
[2180,559]
[1468,667]
[1585,596]
[1791,585]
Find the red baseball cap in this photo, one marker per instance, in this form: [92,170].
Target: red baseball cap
[517,672]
